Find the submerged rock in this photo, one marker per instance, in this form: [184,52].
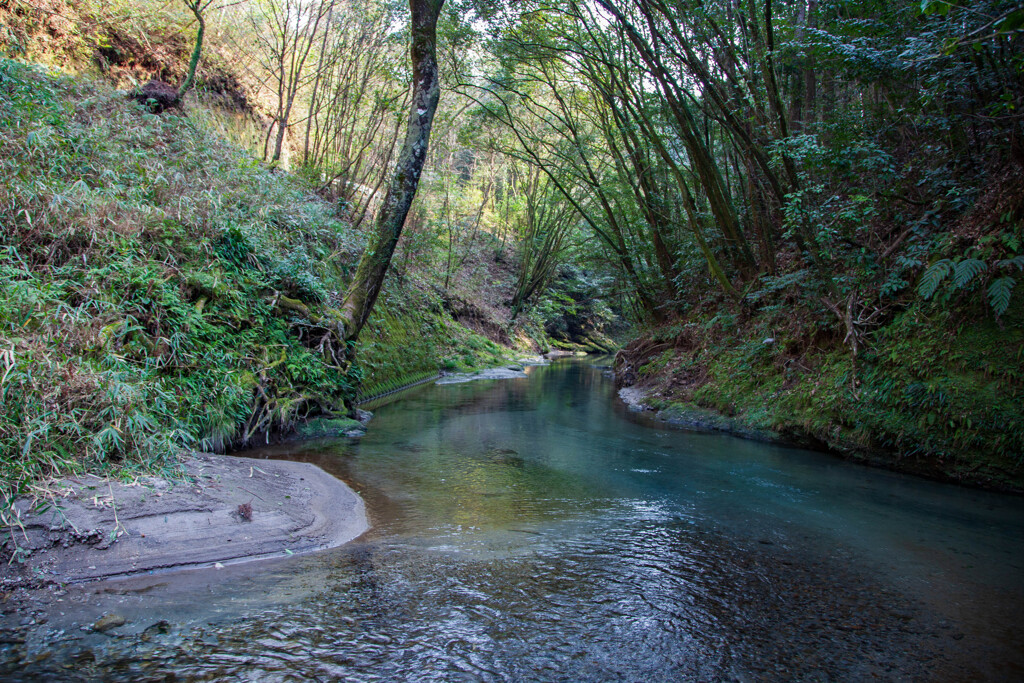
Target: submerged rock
[335,426]
[107,622]
[492,373]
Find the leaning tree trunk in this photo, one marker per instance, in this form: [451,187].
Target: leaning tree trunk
[197,7]
[373,265]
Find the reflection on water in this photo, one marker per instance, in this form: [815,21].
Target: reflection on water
[532,530]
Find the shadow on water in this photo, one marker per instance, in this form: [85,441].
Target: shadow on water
[531,530]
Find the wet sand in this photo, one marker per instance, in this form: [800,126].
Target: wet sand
[228,509]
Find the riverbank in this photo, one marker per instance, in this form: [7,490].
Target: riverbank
[527,523]
[225,509]
[693,417]
[177,303]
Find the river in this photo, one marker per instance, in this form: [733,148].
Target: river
[535,530]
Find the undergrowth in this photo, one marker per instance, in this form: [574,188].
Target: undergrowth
[936,391]
[410,335]
[161,291]
[141,264]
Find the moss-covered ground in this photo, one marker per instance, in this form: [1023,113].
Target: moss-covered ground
[937,390]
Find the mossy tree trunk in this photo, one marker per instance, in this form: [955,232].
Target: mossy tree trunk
[197,7]
[373,265]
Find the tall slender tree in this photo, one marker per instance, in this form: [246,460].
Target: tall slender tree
[374,263]
[198,8]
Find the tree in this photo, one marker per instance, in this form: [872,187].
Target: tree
[543,228]
[197,7]
[373,265]
[285,32]
[356,106]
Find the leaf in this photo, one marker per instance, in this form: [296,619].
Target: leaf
[940,7]
[966,270]
[1015,261]
[999,294]
[933,277]
[1011,22]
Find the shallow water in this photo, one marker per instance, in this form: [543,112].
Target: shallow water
[533,529]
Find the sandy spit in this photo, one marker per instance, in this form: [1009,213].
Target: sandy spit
[229,509]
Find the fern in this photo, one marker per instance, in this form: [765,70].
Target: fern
[966,271]
[999,294]
[1015,261]
[933,277]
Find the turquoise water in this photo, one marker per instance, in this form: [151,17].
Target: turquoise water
[534,529]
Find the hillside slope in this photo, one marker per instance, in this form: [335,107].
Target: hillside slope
[934,389]
[161,291]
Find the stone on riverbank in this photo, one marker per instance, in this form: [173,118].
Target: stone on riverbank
[107,622]
[696,419]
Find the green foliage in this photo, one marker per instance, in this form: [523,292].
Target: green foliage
[773,285]
[962,273]
[1013,21]
[940,7]
[999,293]
[933,277]
[574,313]
[410,337]
[140,264]
[966,270]
[929,394]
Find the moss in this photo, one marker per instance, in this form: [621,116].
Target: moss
[411,336]
[935,391]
